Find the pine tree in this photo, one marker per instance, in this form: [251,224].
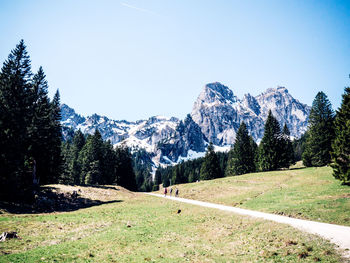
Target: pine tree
[320,131]
[341,144]
[15,118]
[39,128]
[210,168]
[108,164]
[287,152]
[243,155]
[269,148]
[55,133]
[90,158]
[75,165]
[125,175]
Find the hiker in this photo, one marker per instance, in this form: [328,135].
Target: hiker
[176,192]
[165,191]
[171,191]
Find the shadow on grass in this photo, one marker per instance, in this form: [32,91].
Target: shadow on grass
[297,168]
[48,200]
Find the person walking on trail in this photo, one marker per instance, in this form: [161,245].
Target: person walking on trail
[165,191]
[176,192]
[171,191]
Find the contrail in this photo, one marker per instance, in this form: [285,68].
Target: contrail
[137,8]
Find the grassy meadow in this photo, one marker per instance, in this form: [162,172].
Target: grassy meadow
[141,228]
[307,193]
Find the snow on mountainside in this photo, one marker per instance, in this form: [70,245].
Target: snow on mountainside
[219,113]
[216,116]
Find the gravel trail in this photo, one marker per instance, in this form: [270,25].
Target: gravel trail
[337,234]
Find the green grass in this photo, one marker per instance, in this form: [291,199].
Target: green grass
[157,234]
[309,193]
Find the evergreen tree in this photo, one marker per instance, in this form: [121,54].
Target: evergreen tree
[321,132]
[67,160]
[88,157]
[55,163]
[243,155]
[299,146]
[93,176]
[287,152]
[255,151]
[341,144]
[125,175]
[210,168]
[75,165]
[15,118]
[270,145]
[39,129]
[108,164]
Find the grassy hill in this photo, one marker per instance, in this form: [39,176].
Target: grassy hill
[132,227]
[307,193]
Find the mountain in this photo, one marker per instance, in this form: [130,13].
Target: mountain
[219,112]
[215,117]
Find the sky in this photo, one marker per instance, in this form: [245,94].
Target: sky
[134,59]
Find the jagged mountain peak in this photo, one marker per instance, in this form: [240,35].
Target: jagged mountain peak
[214,92]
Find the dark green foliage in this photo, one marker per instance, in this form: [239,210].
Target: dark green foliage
[320,132]
[94,161]
[286,151]
[270,145]
[71,169]
[55,141]
[125,175]
[210,168]
[39,131]
[242,156]
[30,131]
[299,146]
[341,145]
[190,172]
[142,167]
[15,118]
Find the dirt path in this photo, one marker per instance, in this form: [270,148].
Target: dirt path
[337,234]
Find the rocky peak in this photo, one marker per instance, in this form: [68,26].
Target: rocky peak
[216,92]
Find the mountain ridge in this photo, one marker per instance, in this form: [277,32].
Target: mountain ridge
[215,117]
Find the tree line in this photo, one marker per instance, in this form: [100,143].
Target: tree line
[93,161]
[326,142]
[245,156]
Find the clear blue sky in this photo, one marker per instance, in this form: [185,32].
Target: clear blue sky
[133,59]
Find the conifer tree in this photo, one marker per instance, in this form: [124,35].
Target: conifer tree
[287,152]
[320,132]
[125,175]
[210,168]
[90,158]
[15,118]
[269,148]
[54,165]
[39,128]
[75,165]
[341,144]
[243,155]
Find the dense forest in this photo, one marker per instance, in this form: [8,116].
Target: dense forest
[33,153]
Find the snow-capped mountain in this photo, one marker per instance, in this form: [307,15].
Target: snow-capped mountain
[216,116]
[219,112]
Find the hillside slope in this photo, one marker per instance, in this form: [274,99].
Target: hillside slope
[309,193]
